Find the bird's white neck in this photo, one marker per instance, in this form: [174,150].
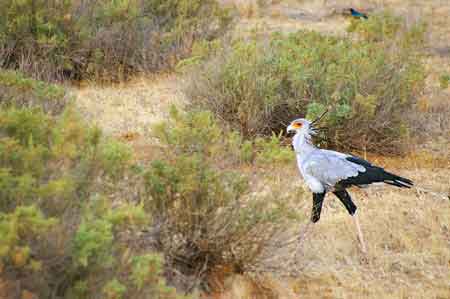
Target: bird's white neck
[303,145]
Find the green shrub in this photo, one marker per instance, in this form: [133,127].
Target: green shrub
[18,229]
[444,81]
[63,232]
[270,151]
[201,199]
[101,254]
[54,40]
[20,91]
[368,86]
[114,290]
[146,268]
[199,133]
[116,157]
[93,242]
[200,50]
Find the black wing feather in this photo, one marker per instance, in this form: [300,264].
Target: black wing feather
[373,174]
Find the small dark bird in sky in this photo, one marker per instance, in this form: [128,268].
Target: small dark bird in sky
[357,14]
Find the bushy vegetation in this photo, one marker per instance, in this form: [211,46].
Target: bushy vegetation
[55,40]
[70,229]
[368,82]
[201,200]
[60,236]
[16,90]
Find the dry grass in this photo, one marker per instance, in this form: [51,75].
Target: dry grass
[408,246]
[128,107]
[408,237]
[128,110]
[327,16]
[432,119]
[291,16]
[246,8]
[244,287]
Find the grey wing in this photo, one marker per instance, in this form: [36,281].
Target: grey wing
[330,168]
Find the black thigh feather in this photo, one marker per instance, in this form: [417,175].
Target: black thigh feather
[317,206]
[345,198]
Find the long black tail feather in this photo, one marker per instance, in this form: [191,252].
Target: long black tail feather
[374,174]
[398,181]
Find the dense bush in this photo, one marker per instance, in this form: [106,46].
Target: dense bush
[54,40]
[78,219]
[368,83]
[60,236]
[17,90]
[199,196]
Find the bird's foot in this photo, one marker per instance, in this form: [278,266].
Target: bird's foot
[362,245]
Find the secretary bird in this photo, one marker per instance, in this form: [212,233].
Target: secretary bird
[329,171]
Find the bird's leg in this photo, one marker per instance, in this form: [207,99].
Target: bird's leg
[345,198]
[301,240]
[303,233]
[315,216]
[360,235]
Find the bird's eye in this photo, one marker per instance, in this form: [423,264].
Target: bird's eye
[298,125]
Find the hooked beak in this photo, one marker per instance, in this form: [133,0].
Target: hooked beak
[290,129]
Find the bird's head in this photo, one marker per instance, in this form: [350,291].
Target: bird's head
[302,125]
[299,125]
